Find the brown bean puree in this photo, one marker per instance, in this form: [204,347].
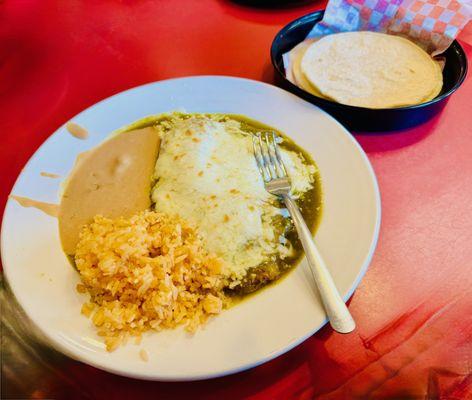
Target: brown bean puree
[113,179]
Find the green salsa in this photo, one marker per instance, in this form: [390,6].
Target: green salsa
[310,206]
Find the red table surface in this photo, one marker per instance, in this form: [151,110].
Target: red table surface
[414,306]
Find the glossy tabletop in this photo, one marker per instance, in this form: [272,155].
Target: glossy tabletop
[413,308]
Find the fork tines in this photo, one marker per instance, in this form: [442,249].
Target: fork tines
[267,155]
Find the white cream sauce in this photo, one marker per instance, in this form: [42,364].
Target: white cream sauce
[207,174]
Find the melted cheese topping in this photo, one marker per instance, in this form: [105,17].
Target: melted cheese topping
[207,174]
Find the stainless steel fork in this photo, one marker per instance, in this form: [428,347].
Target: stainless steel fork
[277,182]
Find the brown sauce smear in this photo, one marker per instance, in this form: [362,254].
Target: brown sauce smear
[47,208]
[49,175]
[77,131]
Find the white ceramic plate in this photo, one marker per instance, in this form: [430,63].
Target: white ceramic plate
[255,331]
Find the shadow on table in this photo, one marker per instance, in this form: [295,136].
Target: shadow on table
[32,369]
[265,11]
[271,4]
[379,142]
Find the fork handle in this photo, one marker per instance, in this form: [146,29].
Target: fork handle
[339,316]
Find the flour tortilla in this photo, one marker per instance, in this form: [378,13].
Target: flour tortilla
[299,78]
[373,70]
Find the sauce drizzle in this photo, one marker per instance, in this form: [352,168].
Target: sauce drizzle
[47,208]
[49,175]
[77,131]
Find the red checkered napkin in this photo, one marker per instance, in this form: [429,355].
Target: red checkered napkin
[433,24]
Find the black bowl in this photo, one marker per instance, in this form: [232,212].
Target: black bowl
[360,118]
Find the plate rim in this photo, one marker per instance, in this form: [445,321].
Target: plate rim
[56,344]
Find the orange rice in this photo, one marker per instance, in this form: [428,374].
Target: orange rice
[150,271]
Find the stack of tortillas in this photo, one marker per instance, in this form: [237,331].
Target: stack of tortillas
[366,69]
